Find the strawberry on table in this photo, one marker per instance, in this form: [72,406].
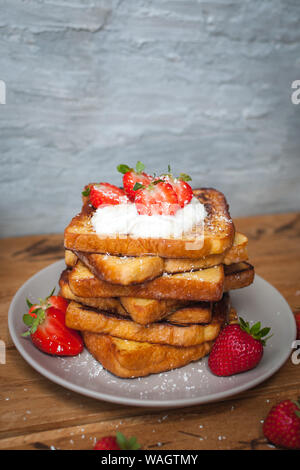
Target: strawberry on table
[105,194]
[157,198]
[118,442]
[282,424]
[133,176]
[47,329]
[238,348]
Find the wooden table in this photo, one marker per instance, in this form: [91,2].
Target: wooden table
[38,414]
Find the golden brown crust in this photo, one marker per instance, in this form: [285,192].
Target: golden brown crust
[238,275]
[83,318]
[203,285]
[129,359]
[132,270]
[218,234]
[109,304]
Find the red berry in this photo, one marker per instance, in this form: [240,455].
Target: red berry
[131,178]
[118,442]
[156,199]
[282,425]
[107,443]
[47,328]
[182,189]
[58,302]
[237,348]
[106,193]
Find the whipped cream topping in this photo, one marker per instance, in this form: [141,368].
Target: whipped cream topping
[124,219]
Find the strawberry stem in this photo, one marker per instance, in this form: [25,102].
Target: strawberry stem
[255,330]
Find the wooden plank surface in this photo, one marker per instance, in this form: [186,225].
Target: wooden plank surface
[36,413]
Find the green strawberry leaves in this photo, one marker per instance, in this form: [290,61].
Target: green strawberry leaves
[37,316]
[127,444]
[86,192]
[184,177]
[139,168]
[297,403]
[255,330]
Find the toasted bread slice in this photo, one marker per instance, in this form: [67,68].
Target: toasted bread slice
[82,318]
[204,285]
[109,304]
[142,311]
[129,359]
[238,275]
[146,311]
[123,270]
[132,270]
[236,254]
[217,237]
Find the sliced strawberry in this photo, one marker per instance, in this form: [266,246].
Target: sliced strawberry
[58,302]
[52,336]
[48,330]
[181,187]
[131,177]
[157,198]
[106,193]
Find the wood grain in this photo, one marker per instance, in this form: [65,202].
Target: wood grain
[38,414]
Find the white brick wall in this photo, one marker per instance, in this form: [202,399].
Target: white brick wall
[203,85]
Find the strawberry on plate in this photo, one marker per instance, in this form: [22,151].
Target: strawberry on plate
[282,424]
[118,442]
[238,348]
[159,198]
[47,329]
[105,194]
[133,176]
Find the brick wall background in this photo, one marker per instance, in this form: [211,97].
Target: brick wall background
[203,85]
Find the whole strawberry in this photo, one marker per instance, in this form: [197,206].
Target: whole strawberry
[118,442]
[282,425]
[238,348]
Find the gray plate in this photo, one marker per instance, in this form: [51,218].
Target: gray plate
[189,385]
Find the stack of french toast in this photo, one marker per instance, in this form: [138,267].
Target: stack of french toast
[147,305]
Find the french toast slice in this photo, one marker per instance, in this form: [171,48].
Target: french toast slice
[218,234]
[146,311]
[204,285]
[123,270]
[110,304]
[82,318]
[235,254]
[130,359]
[132,270]
[238,275]
[142,311]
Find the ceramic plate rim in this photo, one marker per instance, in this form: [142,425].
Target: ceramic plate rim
[175,403]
